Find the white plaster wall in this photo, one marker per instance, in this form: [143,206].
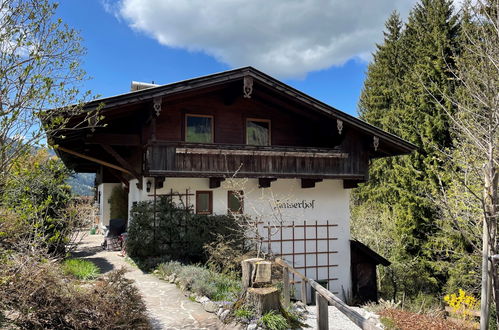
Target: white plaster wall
[105,190]
[330,204]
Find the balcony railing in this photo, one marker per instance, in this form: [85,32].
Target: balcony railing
[216,160]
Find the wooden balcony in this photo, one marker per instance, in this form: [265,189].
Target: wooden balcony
[183,159]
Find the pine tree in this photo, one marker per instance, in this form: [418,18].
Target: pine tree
[396,98]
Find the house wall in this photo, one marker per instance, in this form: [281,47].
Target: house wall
[330,205]
[104,191]
[288,127]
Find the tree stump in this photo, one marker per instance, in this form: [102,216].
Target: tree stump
[248,266]
[263,300]
[262,273]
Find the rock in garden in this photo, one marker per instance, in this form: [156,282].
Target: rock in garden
[210,306]
[252,326]
[202,299]
[224,314]
[220,310]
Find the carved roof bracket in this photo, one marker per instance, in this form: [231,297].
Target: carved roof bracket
[339,125]
[157,105]
[375,143]
[248,87]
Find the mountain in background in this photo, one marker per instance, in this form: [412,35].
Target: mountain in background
[82,184]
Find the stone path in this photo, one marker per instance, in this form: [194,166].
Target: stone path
[167,306]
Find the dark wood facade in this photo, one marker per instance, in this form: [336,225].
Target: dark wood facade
[363,268]
[143,134]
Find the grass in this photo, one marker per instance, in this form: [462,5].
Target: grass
[80,268]
[274,321]
[243,313]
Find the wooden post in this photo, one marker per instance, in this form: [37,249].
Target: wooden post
[322,312]
[285,286]
[303,291]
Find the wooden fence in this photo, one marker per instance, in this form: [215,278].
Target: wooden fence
[323,297]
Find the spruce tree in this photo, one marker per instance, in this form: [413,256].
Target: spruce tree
[396,97]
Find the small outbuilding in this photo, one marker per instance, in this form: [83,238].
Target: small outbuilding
[364,278]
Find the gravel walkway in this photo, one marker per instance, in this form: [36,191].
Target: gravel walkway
[167,306]
[337,320]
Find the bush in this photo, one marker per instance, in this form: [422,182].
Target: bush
[81,269]
[225,255]
[168,268]
[176,232]
[274,321]
[36,192]
[39,296]
[202,281]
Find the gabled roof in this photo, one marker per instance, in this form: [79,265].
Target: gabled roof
[402,146]
[369,253]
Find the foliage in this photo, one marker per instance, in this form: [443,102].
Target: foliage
[176,232]
[398,203]
[462,304]
[200,280]
[35,194]
[273,321]
[39,68]
[118,203]
[38,296]
[225,255]
[166,269]
[80,268]
[244,314]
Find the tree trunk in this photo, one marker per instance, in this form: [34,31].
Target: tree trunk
[489,235]
[485,294]
[263,300]
[248,266]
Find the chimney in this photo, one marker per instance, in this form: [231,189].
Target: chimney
[137,86]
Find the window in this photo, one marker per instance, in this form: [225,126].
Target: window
[199,128]
[258,132]
[204,202]
[235,201]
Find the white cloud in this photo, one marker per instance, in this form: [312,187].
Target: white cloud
[286,38]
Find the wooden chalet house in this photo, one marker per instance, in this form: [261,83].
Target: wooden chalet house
[285,152]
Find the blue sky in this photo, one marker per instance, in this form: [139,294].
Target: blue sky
[126,40]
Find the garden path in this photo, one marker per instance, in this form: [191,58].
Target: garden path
[167,306]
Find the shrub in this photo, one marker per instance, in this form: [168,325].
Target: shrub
[462,304]
[225,255]
[176,232]
[202,281]
[80,268]
[274,321]
[41,297]
[168,268]
[36,192]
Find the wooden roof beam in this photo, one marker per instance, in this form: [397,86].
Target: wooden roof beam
[265,182]
[309,183]
[123,162]
[95,160]
[216,182]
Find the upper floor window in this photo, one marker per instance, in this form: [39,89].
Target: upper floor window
[199,128]
[258,132]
